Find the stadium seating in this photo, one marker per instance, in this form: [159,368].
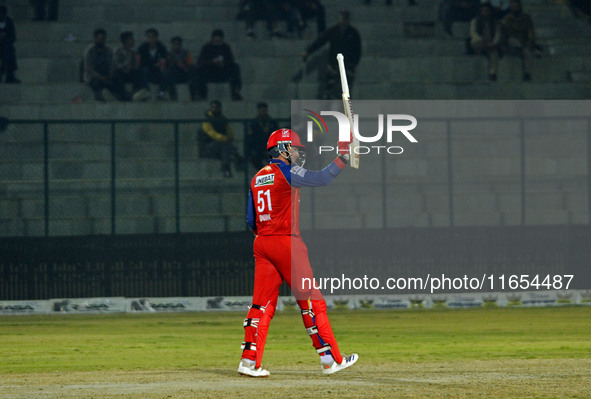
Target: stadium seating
[406,55]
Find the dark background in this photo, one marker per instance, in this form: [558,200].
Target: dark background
[202,264]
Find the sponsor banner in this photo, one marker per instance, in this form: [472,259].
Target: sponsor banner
[24,307]
[194,304]
[90,305]
[288,303]
[341,302]
[537,298]
[464,301]
[383,302]
[239,303]
[584,297]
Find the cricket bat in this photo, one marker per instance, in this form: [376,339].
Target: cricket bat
[354,161]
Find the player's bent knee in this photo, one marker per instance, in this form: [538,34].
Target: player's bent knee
[319,306]
[258,311]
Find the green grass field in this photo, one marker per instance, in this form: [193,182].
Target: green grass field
[480,353]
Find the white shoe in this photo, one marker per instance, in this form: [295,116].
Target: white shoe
[247,368]
[334,366]
[108,96]
[141,95]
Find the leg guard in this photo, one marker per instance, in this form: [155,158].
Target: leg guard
[256,326]
[318,327]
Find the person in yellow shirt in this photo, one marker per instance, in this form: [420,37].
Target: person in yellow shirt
[215,139]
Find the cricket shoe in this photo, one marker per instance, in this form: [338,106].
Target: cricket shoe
[141,95]
[334,366]
[247,368]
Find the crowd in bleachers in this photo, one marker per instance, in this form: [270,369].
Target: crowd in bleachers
[296,13]
[503,29]
[107,71]
[497,27]
[147,64]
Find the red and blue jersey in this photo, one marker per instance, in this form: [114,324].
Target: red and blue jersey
[274,196]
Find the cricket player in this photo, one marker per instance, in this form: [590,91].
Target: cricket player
[280,253]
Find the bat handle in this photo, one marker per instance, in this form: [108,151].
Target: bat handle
[343,73]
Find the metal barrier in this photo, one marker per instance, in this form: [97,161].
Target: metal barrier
[54,168]
[101,141]
[222,264]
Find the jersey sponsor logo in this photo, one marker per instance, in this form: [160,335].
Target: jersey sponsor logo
[264,218]
[265,180]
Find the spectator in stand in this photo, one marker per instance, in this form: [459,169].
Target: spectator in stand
[485,37]
[215,140]
[451,11]
[126,69]
[257,135]
[153,59]
[345,39]
[288,11]
[7,50]
[181,68]
[313,9]
[518,31]
[216,64]
[98,68]
[500,8]
[39,8]
[254,10]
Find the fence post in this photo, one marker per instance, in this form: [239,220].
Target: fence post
[589,170]
[46,175]
[246,176]
[522,169]
[177,189]
[450,188]
[384,196]
[113,177]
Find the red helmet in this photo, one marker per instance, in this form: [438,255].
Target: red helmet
[282,137]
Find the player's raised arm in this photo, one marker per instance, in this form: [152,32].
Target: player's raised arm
[301,177]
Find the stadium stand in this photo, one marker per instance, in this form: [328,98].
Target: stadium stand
[406,55]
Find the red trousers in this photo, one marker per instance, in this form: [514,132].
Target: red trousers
[279,258]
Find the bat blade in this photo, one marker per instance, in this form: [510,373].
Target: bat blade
[353,147]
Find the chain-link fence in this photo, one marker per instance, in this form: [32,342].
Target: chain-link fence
[117,177]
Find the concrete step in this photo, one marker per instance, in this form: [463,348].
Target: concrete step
[580,76]
[409,63]
[79,34]
[74,92]
[551,83]
[204,11]
[462,68]
[124,225]
[146,111]
[473,90]
[96,170]
[144,213]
